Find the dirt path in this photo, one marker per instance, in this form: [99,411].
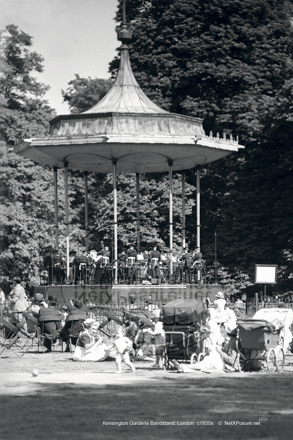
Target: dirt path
[69,400]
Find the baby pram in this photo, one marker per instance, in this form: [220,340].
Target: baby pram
[259,346]
[183,320]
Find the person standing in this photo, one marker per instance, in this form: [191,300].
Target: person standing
[121,266]
[2,302]
[131,255]
[155,258]
[18,303]
[186,269]
[197,264]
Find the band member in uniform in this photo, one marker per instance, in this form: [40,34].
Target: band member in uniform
[197,255]
[81,267]
[121,266]
[164,266]
[46,272]
[155,258]
[72,267]
[130,264]
[58,270]
[90,268]
[198,263]
[186,269]
[106,268]
[99,270]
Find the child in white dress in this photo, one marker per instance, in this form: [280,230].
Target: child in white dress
[123,347]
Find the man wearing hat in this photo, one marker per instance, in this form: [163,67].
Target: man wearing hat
[37,303]
[50,323]
[73,327]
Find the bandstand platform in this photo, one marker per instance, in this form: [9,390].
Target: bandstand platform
[120,295]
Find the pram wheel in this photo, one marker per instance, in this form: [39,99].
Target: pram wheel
[193,359]
[271,360]
[200,357]
[280,359]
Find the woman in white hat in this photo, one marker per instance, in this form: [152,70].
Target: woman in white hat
[90,347]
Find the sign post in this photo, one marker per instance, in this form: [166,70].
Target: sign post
[265,274]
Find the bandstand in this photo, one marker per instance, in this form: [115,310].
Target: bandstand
[127,133]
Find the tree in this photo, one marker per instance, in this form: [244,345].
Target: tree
[26,195]
[229,62]
[84,93]
[154,210]
[23,113]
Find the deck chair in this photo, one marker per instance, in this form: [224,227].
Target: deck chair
[71,319]
[32,326]
[16,338]
[43,320]
[111,316]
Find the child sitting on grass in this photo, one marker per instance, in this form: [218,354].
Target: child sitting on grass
[123,347]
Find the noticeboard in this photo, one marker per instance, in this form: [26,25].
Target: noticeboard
[266,274]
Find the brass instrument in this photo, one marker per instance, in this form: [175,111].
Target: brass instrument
[130,261]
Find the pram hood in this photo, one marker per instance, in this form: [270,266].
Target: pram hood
[253,324]
[184,312]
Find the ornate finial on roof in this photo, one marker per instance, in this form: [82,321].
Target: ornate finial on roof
[123,34]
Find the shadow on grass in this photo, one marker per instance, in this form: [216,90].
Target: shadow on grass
[172,408]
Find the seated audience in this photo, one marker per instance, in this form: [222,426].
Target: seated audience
[72,328]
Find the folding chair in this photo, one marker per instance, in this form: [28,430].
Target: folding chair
[15,337]
[46,319]
[32,326]
[72,319]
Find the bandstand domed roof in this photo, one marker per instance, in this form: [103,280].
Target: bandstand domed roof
[126,126]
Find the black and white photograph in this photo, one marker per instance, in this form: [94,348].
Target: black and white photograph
[146,232]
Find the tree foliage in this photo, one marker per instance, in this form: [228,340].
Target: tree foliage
[26,189]
[229,62]
[84,93]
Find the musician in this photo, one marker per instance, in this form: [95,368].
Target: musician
[105,264]
[81,266]
[186,268]
[106,252]
[197,255]
[72,266]
[131,268]
[164,266]
[155,258]
[58,269]
[99,271]
[47,260]
[90,268]
[121,266]
[198,263]
[46,272]
[146,256]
